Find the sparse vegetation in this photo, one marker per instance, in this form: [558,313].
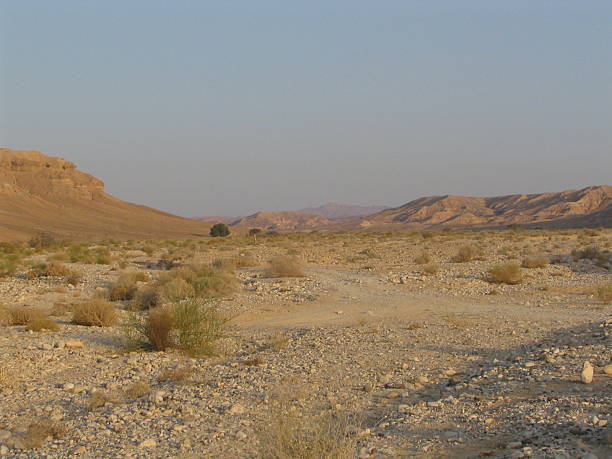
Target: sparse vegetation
[42,324]
[284,266]
[535,262]
[422,259]
[468,253]
[95,313]
[506,273]
[431,269]
[604,292]
[191,327]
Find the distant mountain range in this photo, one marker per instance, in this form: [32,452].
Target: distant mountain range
[342,212]
[39,193]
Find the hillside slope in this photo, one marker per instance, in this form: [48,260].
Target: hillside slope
[39,193]
[342,212]
[282,221]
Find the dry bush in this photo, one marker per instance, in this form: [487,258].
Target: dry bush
[284,266]
[137,390]
[98,399]
[40,430]
[224,264]
[245,260]
[287,435]
[431,269]
[278,341]
[176,290]
[534,262]
[125,287]
[60,308]
[422,259]
[38,325]
[176,374]
[506,273]
[22,315]
[604,292]
[190,327]
[468,253]
[104,257]
[6,317]
[73,278]
[95,312]
[145,298]
[52,269]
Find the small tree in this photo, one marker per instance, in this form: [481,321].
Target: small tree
[254,232]
[219,230]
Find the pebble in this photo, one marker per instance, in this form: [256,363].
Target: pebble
[608,369]
[148,443]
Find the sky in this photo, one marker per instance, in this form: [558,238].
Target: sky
[231,107]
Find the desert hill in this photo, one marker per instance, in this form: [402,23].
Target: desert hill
[282,221]
[590,206]
[341,212]
[39,193]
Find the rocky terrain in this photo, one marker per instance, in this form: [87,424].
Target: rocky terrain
[39,193]
[404,340]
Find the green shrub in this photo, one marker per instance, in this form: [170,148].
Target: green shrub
[506,273]
[189,326]
[219,230]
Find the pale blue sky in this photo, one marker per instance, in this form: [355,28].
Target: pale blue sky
[229,107]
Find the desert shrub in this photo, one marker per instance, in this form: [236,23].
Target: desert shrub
[175,290]
[422,259]
[467,253]
[53,269]
[604,292]
[42,325]
[284,266]
[125,287]
[40,430]
[103,257]
[598,256]
[219,230]
[534,262]
[145,298]
[42,241]
[278,341]
[212,283]
[431,269]
[245,260]
[95,312]
[370,253]
[226,264]
[506,273]
[190,326]
[9,264]
[79,253]
[23,315]
[289,435]
[5,316]
[137,390]
[74,278]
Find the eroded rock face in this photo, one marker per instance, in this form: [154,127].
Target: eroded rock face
[40,193]
[32,173]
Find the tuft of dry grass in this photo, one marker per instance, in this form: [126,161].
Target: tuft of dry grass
[145,298]
[95,312]
[23,315]
[431,269]
[284,266]
[5,316]
[422,259]
[42,324]
[604,293]
[125,287]
[176,374]
[40,430]
[278,341]
[137,390]
[53,269]
[468,253]
[288,435]
[535,262]
[506,273]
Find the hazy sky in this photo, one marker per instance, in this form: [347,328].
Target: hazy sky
[229,107]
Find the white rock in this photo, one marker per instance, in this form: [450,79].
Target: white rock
[148,443]
[587,373]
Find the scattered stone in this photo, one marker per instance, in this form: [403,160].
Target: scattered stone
[586,376]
